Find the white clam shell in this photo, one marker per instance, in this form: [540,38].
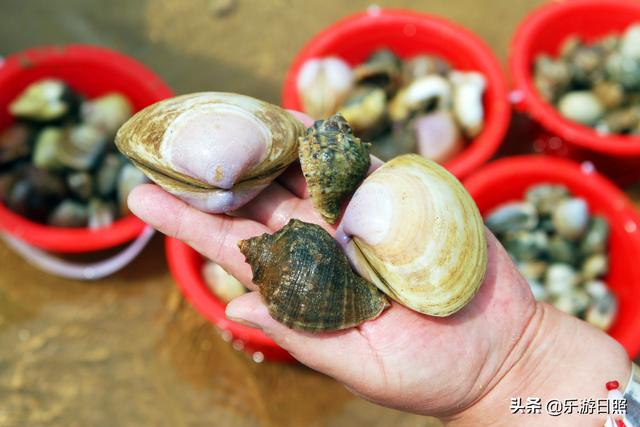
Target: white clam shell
[214,150]
[437,136]
[468,90]
[413,230]
[416,94]
[571,217]
[630,45]
[323,84]
[581,106]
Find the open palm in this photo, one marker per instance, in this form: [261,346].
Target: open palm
[403,359]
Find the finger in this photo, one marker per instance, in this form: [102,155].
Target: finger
[276,205]
[342,355]
[214,236]
[293,180]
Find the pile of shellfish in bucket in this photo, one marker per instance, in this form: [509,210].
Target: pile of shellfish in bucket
[561,249]
[419,105]
[58,162]
[596,84]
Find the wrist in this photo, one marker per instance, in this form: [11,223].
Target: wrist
[556,357]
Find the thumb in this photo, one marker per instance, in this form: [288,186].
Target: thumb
[343,355]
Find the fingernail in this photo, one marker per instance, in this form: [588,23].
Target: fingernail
[244,322]
[239,314]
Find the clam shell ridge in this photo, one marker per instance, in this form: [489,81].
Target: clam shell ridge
[333,162]
[307,282]
[210,168]
[433,256]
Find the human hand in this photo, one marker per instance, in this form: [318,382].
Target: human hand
[463,368]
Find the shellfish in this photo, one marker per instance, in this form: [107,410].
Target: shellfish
[333,162]
[214,150]
[409,228]
[323,84]
[381,69]
[44,100]
[468,90]
[306,280]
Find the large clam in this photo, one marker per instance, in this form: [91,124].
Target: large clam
[413,230]
[214,150]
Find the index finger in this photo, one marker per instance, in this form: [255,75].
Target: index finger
[214,236]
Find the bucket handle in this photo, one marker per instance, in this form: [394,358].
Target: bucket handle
[78,271]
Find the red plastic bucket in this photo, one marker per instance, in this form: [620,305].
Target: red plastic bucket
[410,33]
[543,31]
[186,267]
[508,179]
[92,71]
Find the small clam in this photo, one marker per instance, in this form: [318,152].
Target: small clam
[551,77]
[610,94]
[437,136]
[586,65]
[333,162]
[423,65]
[581,106]
[81,147]
[596,289]
[545,197]
[128,179]
[560,279]
[307,282]
[45,100]
[393,143]
[107,112]
[214,150]
[537,289]
[630,42]
[101,214]
[222,284]
[80,184]
[622,120]
[365,109]
[602,312]
[573,302]
[107,174]
[608,44]
[14,144]
[419,95]
[570,45]
[526,245]
[47,147]
[624,70]
[468,90]
[596,236]
[595,266]
[381,69]
[562,250]
[571,217]
[69,213]
[534,269]
[511,217]
[323,84]
[33,193]
[421,270]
